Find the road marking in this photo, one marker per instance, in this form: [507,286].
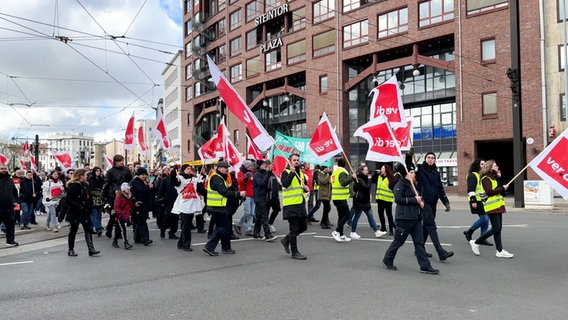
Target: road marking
[504,226]
[33,246]
[379,240]
[13,263]
[250,239]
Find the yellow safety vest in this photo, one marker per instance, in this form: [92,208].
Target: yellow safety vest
[214,198]
[478,188]
[339,192]
[495,201]
[316,183]
[294,194]
[383,191]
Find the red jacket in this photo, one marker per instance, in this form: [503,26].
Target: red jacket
[123,207]
[245,184]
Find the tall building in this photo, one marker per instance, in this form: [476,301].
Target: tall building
[293,60]
[80,148]
[172,109]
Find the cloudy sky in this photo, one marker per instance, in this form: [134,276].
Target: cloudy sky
[110,65]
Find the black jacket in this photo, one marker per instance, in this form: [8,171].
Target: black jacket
[471,187]
[114,177]
[217,183]
[140,194]
[79,202]
[407,207]
[96,187]
[296,210]
[167,192]
[8,192]
[260,182]
[430,184]
[27,188]
[362,188]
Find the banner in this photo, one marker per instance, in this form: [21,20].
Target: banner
[324,143]
[3,159]
[286,145]
[252,150]
[240,109]
[26,148]
[387,101]
[22,163]
[216,147]
[383,147]
[233,156]
[64,159]
[108,160]
[141,143]
[160,131]
[552,164]
[402,134]
[129,134]
[33,164]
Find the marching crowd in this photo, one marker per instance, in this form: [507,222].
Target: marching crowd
[175,195]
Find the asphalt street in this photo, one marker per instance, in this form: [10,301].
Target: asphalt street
[338,280]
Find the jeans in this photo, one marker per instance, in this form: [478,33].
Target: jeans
[51,216]
[248,215]
[27,211]
[403,229]
[96,216]
[482,222]
[369,214]
[313,196]
[314,209]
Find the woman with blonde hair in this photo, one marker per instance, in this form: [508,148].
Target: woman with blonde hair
[79,205]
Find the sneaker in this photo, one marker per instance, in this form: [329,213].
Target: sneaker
[344,239]
[55,230]
[259,237]
[504,254]
[474,247]
[335,236]
[272,228]
[270,238]
[12,244]
[210,252]
[380,233]
[389,266]
[228,251]
[354,235]
[430,270]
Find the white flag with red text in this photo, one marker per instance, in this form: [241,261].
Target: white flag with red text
[234,157]
[129,134]
[108,160]
[252,150]
[552,164]
[64,159]
[141,142]
[216,147]
[403,133]
[26,148]
[3,159]
[33,164]
[160,131]
[387,101]
[324,143]
[22,163]
[239,108]
[383,146]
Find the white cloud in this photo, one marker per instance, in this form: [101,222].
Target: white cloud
[87,84]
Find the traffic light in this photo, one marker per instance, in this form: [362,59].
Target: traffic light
[513,75]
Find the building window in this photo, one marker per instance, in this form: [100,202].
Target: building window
[222,53]
[349,5]
[393,22]
[323,84]
[252,41]
[273,60]
[356,33]
[188,27]
[488,50]
[324,43]
[222,5]
[188,71]
[221,27]
[489,101]
[298,20]
[253,10]
[296,52]
[188,50]
[236,46]
[561,58]
[271,4]
[324,10]
[253,67]
[235,20]
[236,73]
[480,6]
[188,93]
[436,11]
[562,107]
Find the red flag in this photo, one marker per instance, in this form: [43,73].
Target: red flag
[129,134]
[141,143]
[402,134]
[239,108]
[207,151]
[279,164]
[22,163]
[552,164]
[233,156]
[252,150]
[3,159]
[26,148]
[324,143]
[109,161]
[216,147]
[33,164]
[383,147]
[64,159]
[387,101]
[160,131]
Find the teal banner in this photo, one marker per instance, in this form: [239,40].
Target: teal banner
[286,145]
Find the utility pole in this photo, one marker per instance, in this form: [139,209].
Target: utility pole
[36,152]
[514,73]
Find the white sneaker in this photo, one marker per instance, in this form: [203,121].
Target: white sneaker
[504,254]
[380,233]
[335,236]
[474,247]
[272,228]
[354,235]
[344,239]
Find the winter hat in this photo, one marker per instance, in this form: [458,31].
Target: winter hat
[402,172]
[140,171]
[260,162]
[124,186]
[183,167]
[222,164]
[248,163]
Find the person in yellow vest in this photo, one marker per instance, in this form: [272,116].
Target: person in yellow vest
[314,194]
[294,185]
[217,194]
[340,181]
[385,180]
[476,196]
[494,207]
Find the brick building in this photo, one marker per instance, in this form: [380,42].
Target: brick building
[292,61]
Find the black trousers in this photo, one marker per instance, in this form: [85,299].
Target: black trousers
[495,231]
[74,227]
[382,207]
[221,232]
[184,241]
[169,220]
[429,227]
[326,210]
[261,215]
[118,226]
[343,214]
[402,230]
[296,225]
[8,217]
[273,204]
[141,232]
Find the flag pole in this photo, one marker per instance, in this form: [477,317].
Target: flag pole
[518,174]
[347,160]
[288,161]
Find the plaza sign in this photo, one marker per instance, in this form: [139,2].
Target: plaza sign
[269,15]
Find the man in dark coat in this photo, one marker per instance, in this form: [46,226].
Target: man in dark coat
[260,182]
[141,197]
[8,199]
[114,177]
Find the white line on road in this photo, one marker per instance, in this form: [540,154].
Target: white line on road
[13,263]
[379,240]
[504,226]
